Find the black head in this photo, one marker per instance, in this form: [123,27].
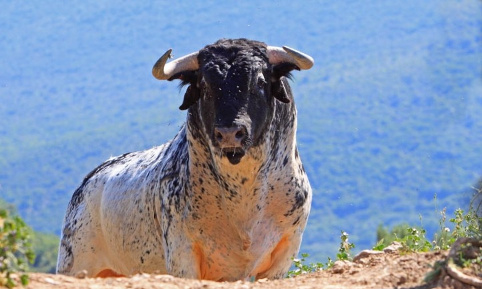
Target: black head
[232,93]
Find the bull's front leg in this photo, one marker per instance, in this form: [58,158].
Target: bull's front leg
[181,252]
[186,258]
[181,260]
[277,262]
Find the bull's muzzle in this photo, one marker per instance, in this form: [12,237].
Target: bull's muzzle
[231,141]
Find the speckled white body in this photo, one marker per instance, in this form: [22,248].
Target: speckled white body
[160,211]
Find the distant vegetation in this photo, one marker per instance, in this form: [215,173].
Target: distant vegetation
[462,224]
[46,248]
[389,115]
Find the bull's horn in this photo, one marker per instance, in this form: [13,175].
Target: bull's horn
[163,71]
[286,54]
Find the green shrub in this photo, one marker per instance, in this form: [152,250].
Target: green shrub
[467,224]
[464,225]
[415,241]
[15,248]
[412,238]
[302,268]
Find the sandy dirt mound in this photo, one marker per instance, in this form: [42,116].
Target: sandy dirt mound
[369,270]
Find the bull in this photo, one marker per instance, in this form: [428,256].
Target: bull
[226,199]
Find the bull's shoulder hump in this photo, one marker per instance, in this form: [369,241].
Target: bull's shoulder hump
[129,162]
[140,165]
[123,164]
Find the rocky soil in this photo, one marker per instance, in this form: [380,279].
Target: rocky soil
[370,269]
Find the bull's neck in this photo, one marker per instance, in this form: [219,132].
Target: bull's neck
[239,191]
[216,168]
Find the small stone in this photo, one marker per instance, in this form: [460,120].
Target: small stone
[164,277]
[401,280]
[51,281]
[263,280]
[354,271]
[82,274]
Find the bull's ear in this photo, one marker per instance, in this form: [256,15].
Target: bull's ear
[192,92]
[190,97]
[279,89]
[279,92]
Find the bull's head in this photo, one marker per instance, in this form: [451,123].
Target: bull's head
[233,85]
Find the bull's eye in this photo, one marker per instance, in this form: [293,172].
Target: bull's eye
[261,84]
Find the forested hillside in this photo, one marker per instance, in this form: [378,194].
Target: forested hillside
[389,116]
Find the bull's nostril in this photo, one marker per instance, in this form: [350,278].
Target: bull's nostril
[239,134]
[219,136]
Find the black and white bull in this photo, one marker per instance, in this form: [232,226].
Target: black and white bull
[226,199]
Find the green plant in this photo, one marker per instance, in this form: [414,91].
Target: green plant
[380,245]
[437,268]
[302,268]
[441,240]
[467,225]
[464,261]
[464,225]
[345,247]
[415,241]
[343,254]
[329,263]
[15,249]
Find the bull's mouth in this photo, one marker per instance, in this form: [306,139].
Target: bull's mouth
[234,155]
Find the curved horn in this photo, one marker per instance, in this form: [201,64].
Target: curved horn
[163,71]
[277,55]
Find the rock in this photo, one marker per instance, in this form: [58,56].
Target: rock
[82,274]
[51,281]
[393,247]
[366,253]
[164,278]
[341,266]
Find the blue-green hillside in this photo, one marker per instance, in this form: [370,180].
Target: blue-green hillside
[389,116]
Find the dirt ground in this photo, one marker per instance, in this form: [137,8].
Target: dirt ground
[369,269]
